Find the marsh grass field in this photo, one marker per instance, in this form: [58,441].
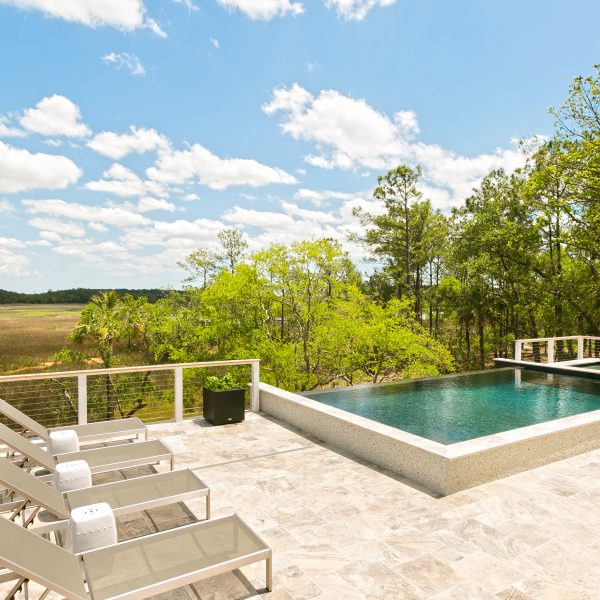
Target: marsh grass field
[30,334]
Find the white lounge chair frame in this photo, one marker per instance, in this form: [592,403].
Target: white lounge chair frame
[119,428]
[100,460]
[158,489]
[27,556]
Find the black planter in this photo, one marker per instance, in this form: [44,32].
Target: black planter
[220,408]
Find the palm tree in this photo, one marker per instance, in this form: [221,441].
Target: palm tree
[101,324]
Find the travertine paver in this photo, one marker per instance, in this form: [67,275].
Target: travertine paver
[343,530]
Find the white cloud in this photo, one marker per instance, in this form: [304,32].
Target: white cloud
[125,15]
[191,197]
[57,226]
[7,131]
[154,27]
[259,218]
[264,10]
[11,243]
[109,256]
[318,197]
[12,262]
[99,227]
[188,4]
[20,170]
[214,42]
[148,204]
[123,182]
[291,225]
[309,215]
[138,140]
[348,133]
[407,122]
[5,207]
[181,234]
[53,143]
[55,115]
[198,163]
[124,60]
[355,10]
[107,215]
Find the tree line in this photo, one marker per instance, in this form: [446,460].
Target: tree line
[520,258]
[72,296]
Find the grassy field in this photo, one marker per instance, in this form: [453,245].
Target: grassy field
[31,333]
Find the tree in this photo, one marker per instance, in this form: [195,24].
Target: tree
[104,321]
[201,264]
[233,247]
[406,237]
[301,309]
[100,323]
[494,254]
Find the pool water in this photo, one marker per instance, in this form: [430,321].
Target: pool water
[463,407]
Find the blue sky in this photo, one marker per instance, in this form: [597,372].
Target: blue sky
[133,131]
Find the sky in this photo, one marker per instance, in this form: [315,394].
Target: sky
[133,131]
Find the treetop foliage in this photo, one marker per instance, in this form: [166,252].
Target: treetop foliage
[519,258]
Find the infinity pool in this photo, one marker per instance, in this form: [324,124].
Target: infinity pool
[457,408]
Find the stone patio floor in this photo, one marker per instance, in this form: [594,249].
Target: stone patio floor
[342,529]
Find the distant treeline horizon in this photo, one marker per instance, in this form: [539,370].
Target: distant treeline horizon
[74,295]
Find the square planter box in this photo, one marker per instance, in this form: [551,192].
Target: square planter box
[220,408]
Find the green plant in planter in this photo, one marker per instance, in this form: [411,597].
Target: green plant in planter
[223,400]
[221,384]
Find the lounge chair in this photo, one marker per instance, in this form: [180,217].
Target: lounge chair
[134,569]
[122,428]
[129,495]
[100,460]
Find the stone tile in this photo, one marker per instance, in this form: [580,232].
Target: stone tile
[429,574]
[513,593]
[411,543]
[543,589]
[467,590]
[296,583]
[375,580]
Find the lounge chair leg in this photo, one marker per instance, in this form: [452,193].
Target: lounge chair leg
[15,589]
[208,505]
[269,562]
[172,462]
[147,432]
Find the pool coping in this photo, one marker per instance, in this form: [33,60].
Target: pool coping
[556,367]
[445,469]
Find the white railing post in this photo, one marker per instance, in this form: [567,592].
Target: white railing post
[82,417]
[178,394]
[518,346]
[580,347]
[550,351]
[255,391]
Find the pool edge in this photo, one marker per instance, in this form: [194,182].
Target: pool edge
[440,468]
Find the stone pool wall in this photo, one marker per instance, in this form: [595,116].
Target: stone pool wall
[443,469]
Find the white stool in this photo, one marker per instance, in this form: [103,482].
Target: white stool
[91,527]
[60,442]
[72,475]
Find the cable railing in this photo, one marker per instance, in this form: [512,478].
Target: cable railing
[557,349]
[152,393]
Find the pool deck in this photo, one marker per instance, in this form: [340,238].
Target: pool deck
[343,529]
